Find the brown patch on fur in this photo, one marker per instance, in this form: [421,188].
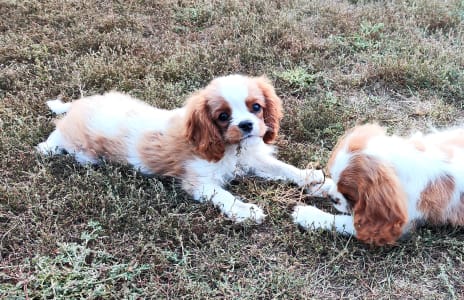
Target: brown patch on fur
[361,135]
[453,141]
[456,214]
[73,128]
[272,112]
[166,153]
[357,139]
[233,135]
[201,129]
[110,148]
[447,142]
[436,197]
[78,138]
[378,201]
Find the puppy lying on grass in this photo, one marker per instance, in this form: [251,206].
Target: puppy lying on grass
[223,130]
[389,184]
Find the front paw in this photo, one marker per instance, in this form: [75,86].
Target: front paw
[240,212]
[310,217]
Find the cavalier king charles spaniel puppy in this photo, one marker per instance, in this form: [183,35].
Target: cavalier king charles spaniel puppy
[390,184]
[224,130]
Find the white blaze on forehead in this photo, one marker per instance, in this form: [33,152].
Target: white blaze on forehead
[233,88]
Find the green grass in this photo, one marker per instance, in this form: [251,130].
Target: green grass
[68,231]
[76,271]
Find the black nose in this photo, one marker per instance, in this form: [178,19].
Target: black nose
[246,126]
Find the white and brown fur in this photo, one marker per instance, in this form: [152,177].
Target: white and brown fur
[223,130]
[389,184]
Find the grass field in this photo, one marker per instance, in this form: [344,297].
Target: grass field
[68,231]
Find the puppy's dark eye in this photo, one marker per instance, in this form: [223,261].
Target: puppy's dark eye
[256,107]
[223,117]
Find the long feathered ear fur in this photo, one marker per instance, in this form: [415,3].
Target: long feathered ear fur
[201,131]
[272,113]
[380,211]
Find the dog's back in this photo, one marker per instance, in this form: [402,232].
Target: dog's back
[108,125]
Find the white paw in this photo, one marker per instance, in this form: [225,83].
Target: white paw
[53,144]
[45,149]
[240,212]
[310,217]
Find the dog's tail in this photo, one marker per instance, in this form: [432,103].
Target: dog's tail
[58,107]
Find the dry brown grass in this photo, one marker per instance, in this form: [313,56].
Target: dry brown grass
[68,231]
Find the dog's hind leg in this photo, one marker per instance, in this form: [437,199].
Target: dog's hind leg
[53,145]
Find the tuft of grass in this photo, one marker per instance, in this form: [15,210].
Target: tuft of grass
[297,78]
[74,271]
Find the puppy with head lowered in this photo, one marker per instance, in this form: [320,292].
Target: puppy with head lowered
[224,130]
[389,184]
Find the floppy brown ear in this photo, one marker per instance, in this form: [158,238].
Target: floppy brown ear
[272,113]
[379,210]
[201,131]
